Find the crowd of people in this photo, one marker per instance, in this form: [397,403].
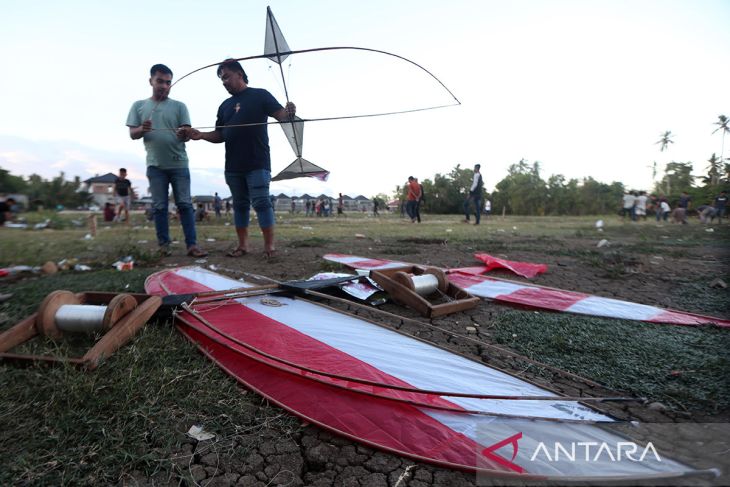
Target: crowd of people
[637,206]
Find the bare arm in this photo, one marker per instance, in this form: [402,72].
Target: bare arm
[286,114]
[188,133]
[139,131]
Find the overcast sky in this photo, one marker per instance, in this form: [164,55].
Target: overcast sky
[585,87]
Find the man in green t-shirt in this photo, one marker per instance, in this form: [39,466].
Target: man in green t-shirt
[157,120]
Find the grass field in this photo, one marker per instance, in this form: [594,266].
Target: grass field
[126,422]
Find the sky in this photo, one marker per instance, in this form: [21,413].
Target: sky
[585,87]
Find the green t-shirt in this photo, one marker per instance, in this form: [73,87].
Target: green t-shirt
[163,148]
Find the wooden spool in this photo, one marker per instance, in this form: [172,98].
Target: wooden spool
[46,319]
[119,306]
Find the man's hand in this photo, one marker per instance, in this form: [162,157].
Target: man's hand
[291,109]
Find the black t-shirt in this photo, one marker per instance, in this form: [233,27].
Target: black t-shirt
[4,208]
[122,186]
[247,148]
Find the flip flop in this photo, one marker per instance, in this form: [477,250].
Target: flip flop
[237,252]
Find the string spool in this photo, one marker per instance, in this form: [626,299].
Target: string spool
[63,311]
[423,285]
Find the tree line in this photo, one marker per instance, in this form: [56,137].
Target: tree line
[46,193]
[523,191]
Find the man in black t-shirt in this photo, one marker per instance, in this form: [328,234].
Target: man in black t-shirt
[123,193]
[720,205]
[241,124]
[6,210]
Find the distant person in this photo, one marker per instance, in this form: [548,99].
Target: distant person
[421,201]
[109,212]
[627,208]
[6,210]
[155,120]
[683,207]
[307,207]
[475,195]
[228,207]
[665,209]
[293,206]
[123,193]
[487,207]
[248,159]
[414,194]
[640,206]
[376,202]
[340,205]
[706,213]
[217,205]
[721,205]
[201,214]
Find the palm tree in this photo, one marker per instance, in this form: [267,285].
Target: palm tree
[722,125]
[664,144]
[665,140]
[714,171]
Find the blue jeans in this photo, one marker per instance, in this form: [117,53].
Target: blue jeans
[179,179]
[477,199]
[251,189]
[411,209]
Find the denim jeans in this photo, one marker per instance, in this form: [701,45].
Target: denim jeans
[251,189]
[477,199]
[179,179]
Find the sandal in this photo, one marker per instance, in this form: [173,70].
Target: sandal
[197,252]
[237,252]
[271,255]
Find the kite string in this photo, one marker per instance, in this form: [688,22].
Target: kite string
[326,119]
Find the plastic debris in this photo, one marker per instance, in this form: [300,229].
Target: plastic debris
[210,240]
[197,432]
[124,264]
[603,243]
[49,268]
[359,235]
[82,267]
[42,225]
[88,237]
[599,224]
[17,269]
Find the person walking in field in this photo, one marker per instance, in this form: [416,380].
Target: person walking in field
[475,195]
[414,194]
[123,195]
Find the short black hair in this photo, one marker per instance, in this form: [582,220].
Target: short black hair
[477,166]
[122,169]
[10,199]
[232,65]
[160,68]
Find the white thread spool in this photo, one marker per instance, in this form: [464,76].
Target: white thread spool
[425,284]
[80,318]
[63,311]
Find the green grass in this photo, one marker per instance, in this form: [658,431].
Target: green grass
[636,357]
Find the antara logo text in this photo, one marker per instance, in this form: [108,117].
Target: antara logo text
[589,451]
[593,451]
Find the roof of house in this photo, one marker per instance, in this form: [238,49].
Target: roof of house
[107,178]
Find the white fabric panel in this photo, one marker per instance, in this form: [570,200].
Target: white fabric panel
[613,308]
[492,289]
